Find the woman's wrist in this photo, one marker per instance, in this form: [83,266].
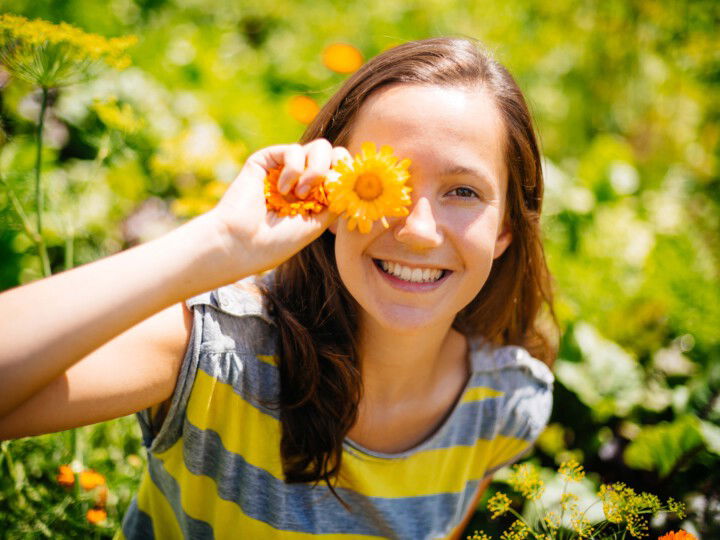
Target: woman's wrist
[208,255]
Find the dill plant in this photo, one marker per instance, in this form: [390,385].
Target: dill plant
[50,56]
[626,512]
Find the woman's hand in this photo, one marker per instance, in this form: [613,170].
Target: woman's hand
[256,238]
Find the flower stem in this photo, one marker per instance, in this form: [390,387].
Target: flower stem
[42,249]
[69,252]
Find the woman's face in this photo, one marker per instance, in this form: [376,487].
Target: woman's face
[454,138]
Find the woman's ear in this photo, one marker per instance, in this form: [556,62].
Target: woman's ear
[503,239]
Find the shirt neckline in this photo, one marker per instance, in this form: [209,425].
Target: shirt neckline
[351,445]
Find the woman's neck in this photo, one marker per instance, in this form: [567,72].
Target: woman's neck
[410,384]
[400,366]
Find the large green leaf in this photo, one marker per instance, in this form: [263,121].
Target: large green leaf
[659,447]
[608,379]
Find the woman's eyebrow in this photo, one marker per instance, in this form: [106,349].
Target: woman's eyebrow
[462,170]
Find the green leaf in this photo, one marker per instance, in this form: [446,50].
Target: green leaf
[659,447]
[711,434]
[608,380]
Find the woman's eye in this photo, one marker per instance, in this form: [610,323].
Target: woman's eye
[463,192]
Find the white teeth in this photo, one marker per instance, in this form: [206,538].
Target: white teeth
[415,275]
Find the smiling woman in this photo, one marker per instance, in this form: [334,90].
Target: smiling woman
[457,224]
[389,347]
[368,386]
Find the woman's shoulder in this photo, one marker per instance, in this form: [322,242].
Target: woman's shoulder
[488,359]
[244,298]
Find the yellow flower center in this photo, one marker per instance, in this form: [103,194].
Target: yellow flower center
[368,186]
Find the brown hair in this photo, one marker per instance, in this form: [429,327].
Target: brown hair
[318,318]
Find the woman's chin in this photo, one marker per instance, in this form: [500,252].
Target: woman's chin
[405,320]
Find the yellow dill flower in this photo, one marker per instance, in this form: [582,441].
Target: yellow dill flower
[571,470]
[637,526]
[551,520]
[568,499]
[517,531]
[498,504]
[525,479]
[479,535]
[676,508]
[648,502]
[613,501]
[374,186]
[119,117]
[622,504]
[51,55]
[582,527]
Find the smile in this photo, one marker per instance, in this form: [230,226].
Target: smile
[411,275]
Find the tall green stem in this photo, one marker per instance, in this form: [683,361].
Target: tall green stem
[69,252]
[42,249]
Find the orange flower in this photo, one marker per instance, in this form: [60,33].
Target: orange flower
[66,477]
[90,479]
[342,58]
[680,535]
[303,108]
[96,515]
[289,205]
[373,186]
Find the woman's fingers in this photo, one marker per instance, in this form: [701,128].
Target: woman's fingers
[340,153]
[319,161]
[302,166]
[293,166]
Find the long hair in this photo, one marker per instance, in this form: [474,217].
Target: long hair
[317,317]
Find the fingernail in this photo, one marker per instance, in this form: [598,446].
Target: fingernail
[303,191]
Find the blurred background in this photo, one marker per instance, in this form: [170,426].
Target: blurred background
[625,97]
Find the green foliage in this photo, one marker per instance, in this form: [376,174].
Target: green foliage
[624,96]
[663,447]
[34,504]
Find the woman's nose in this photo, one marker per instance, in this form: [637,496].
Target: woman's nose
[419,229]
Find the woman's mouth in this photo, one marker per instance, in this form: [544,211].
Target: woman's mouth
[410,274]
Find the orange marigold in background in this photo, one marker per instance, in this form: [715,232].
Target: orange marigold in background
[342,58]
[90,479]
[289,205]
[303,109]
[96,515]
[680,535]
[65,477]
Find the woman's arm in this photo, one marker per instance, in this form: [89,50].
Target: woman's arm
[89,326]
[51,324]
[456,534]
[133,371]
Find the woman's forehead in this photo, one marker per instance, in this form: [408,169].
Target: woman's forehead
[454,128]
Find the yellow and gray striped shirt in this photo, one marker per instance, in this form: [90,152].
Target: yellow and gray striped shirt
[214,468]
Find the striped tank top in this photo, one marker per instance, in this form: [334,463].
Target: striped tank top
[214,468]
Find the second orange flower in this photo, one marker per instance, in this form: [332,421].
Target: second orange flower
[289,205]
